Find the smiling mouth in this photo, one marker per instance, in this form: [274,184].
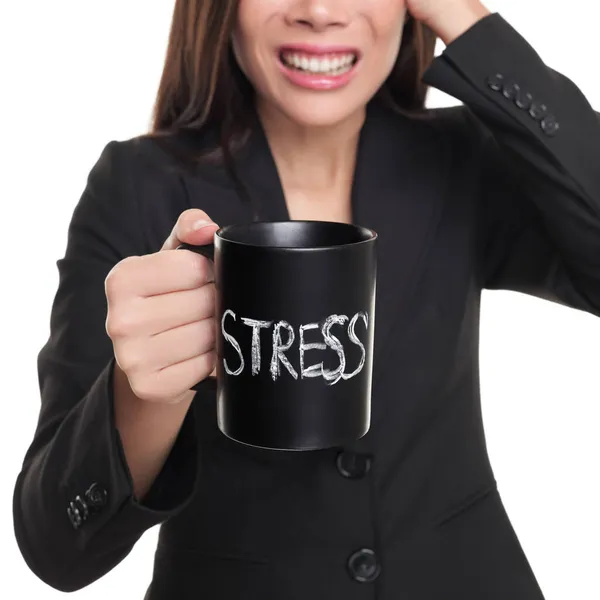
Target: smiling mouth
[331,65]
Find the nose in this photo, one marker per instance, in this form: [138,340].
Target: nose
[319,15]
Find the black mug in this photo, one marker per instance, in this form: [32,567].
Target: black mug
[295,314]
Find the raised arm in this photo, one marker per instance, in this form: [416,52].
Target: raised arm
[540,175]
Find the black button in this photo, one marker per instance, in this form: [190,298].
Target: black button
[523,99]
[353,465]
[74,515]
[495,82]
[511,90]
[363,566]
[79,509]
[96,497]
[549,125]
[538,110]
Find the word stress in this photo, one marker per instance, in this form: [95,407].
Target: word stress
[283,336]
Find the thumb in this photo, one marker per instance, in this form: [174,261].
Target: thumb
[193,226]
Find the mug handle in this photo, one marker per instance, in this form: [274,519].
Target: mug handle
[208,251]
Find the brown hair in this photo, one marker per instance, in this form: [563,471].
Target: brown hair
[202,87]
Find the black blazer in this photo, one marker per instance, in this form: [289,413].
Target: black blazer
[502,191]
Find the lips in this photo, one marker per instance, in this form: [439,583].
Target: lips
[318,67]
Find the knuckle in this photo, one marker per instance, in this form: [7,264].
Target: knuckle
[118,276]
[128,363]
[112,328]
[120,324]
[112,283]
[146,387]
[141,388]
[131,356]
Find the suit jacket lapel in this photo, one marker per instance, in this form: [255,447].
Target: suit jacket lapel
[258,173]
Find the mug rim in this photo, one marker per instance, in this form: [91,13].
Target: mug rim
[370,234]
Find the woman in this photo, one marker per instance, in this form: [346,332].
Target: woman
[309,109]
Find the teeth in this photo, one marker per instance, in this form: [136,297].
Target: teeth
[330,64]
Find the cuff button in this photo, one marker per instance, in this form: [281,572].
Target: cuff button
[538,110]
[523,100]
[96,496]
[495,82]
[74,516]
[511,90]
[549,125]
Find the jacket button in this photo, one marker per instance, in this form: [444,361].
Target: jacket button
[523,100]
[74,515]
[511,90]
[92,502]
[96,497]
[363,566]
[495,82]
[549,125]
[537,110]
[352,465]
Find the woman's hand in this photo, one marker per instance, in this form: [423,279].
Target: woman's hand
[447,18]
[161,314]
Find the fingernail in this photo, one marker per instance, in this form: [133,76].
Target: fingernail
[200,224]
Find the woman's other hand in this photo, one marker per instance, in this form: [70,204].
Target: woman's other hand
[447,18]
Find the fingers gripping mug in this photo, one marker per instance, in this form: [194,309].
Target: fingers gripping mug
[295,312]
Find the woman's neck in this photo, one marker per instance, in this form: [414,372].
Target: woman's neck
[312,160]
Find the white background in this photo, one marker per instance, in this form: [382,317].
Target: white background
[78,74]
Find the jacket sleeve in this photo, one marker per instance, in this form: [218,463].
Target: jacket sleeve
[75,516]
[540,171]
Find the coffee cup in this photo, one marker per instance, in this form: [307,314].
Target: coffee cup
[295,312]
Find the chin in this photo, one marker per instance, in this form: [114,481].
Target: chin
[321,111]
